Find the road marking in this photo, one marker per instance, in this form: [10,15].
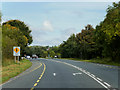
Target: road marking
[31,88]
[54,74]
[93,75]
[94,64]
[38,81]
[99,79]
[39,77]
[107,84]
[35,84]
[21,75]
[33,69]
[86,72]
[76,74]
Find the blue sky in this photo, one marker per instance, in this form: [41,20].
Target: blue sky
[53,22]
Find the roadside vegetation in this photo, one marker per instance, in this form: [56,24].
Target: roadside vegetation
[14,33]
[100,42]
[96,44]
[93,44]
[14,69]
[42,51]
[106,61]
[0,48]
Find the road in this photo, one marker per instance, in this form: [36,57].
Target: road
[65,74]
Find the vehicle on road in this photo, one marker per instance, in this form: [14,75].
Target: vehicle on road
[56,56]
[28,57]
[34,56]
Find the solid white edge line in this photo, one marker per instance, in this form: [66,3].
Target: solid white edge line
[84,71]
[99,79]
[107,84]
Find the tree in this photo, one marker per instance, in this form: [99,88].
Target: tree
[86,43]
[0,16]
[44,54]
[108,33]
[68,48]
[52,53]
[16,34]
[18,31]
[13,36]
[22,27]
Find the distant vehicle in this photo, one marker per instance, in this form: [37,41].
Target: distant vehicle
[22,58]
[34,56]
[56,56]
[28,57]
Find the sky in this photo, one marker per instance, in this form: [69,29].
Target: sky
[53,22]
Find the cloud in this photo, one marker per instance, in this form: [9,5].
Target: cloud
[47,26]
[50,42]
[45,40]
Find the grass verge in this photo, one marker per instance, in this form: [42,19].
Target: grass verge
[14,69]
[101,61]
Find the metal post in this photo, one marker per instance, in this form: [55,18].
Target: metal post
[18,59]
[15,59]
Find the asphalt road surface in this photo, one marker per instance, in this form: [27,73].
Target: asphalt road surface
[65,74]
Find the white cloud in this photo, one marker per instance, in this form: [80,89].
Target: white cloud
[50,42]
[47,26]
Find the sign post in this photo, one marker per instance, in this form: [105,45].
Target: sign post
[15,59]
[16,52]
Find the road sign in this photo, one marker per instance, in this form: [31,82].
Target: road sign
[16,51]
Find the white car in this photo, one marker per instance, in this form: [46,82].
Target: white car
[56,56]
[34,56]
[28,57]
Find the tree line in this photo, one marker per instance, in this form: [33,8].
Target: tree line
[42,51]
[103,41]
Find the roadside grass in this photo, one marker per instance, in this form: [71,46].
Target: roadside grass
[7,62]
[100,61]
[14,69]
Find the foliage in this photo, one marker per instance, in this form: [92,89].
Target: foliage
[68,48]
[12,36]
[0,34]
[0,17]
[86,43]
[7,48]
[22,27]
[108,33]
[101,42]
[41,51]
[15,33]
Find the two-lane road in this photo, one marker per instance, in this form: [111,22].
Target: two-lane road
[57,73]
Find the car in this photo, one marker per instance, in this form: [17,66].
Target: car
[28,57]
[56,56]
[34,56]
